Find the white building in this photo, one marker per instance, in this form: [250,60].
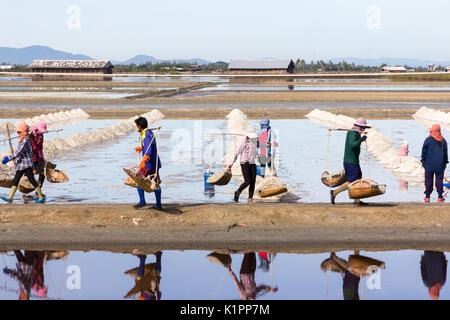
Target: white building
[393,69]
[5,67]
[447,69]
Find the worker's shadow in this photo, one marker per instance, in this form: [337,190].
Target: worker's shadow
[176,209]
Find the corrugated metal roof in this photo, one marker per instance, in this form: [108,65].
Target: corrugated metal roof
[253,64]
[75,64]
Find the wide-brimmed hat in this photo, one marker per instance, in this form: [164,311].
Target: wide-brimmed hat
[251,133]
[361,122]
[21,126]
[41,127]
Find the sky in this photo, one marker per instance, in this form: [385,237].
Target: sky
[224,30]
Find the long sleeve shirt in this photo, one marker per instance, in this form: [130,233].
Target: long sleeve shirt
[248,150]
[37,144]
[352,147]
[434,156]
[149,148]
[23,155]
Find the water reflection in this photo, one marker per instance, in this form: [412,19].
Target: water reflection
[352,271]
[246,275]
[433,267]
[147,278]
[29,272]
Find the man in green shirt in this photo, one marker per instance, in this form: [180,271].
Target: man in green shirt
[351,157]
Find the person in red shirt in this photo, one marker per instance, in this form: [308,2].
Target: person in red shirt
[37,144]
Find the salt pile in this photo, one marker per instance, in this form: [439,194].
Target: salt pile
[427,117]
[59,146]
[53,120]
[405,168]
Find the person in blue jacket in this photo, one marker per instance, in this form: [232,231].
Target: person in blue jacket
[150,163]
[434,161]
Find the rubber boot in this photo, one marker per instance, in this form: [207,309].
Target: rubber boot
[236,196]
[141,198]
[158,200]
[11,195]
[41,196]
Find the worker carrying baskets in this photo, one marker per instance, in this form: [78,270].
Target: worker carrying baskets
[147,178]
[356,187]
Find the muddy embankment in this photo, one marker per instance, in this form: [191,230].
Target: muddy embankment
[294,227]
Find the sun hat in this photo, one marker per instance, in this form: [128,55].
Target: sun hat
[41,291]
[361,122]
[21,126]
[435,127]
[41,127]
[251,133]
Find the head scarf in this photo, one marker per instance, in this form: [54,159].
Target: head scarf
[435,132]
[265,124]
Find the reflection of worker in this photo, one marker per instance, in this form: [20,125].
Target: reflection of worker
[265,258]
[351,157]
[247,286]
[352,271]
[147,279]
[433,266]
[350,281]
[29,273]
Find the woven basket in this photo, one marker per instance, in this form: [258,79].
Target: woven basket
[272,191]
[130,182]
[358,264]
[331,265]
[6,182]
[55,176]
[25,185]
[365,188]
[220,178]
[333,179]
[148,184]
[220,258]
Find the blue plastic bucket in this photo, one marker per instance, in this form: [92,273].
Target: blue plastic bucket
[260,171]
[209,188]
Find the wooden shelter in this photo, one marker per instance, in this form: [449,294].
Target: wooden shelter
[72,66]
[261,67]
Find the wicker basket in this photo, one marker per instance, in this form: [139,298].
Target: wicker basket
[55,176]
[272,191]
[130,182]
[220,258]
[148,184]
[365,188]
[220,178]
[358,264]
[25,185]
[331,265]
[333,179]
[6,182]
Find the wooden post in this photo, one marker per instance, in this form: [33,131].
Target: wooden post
[9,140]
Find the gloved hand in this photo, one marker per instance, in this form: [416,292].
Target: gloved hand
[229,167]
[363,138]
[6,271]
[5,160]
[144,160]
[138,149]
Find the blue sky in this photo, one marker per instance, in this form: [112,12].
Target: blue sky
[224,30]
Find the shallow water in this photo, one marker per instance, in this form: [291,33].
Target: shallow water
[328,88]
[66,94]
[171,78]
[96,173]
[190,275]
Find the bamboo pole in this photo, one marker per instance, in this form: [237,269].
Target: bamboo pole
[9,139]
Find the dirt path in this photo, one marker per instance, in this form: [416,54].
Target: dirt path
[277,227]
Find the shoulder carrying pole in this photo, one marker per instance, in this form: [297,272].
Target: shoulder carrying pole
[9,139]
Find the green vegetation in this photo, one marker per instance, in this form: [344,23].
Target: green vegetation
[171,68]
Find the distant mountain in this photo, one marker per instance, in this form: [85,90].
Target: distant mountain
[142,59]
[24,56]
[391,62]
